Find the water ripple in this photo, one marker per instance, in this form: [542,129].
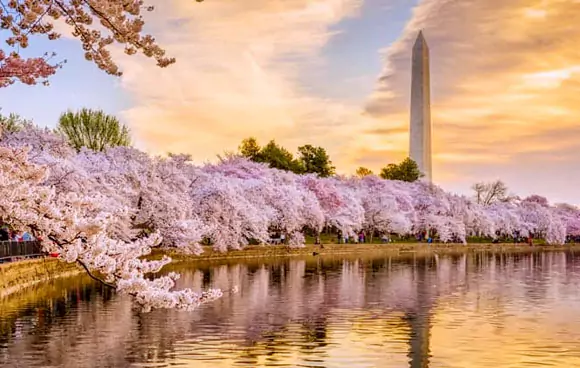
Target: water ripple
[479,310]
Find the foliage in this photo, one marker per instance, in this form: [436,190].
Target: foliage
[98,24]
[105,210]
[279,157]
[311,159]
[315,160]
[93,129]
[12,123]
[407,170]
[250,149]
[534,198]
[82,228]
[488,193]
[361,172]
[274,155]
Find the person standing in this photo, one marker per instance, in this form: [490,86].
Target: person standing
[17,236]
[26,236]
[4,234]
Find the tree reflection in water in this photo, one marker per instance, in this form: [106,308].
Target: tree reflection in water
[315,312]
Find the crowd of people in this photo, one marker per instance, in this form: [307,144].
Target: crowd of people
[9,234]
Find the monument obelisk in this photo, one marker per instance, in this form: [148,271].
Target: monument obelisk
[420,135]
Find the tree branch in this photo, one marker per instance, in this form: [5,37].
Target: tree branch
[94,277]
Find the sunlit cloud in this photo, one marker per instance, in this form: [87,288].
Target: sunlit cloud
[535,13]
[237,75]
[505,82]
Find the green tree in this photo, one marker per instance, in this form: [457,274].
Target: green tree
[407,170]
[272,154]
[361,172]
[250,148]
[12,123]
[279,157]
[315,160]
[93,129]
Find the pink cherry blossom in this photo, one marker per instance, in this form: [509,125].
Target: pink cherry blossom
[106,210]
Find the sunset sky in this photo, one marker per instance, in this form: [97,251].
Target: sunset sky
[505,80]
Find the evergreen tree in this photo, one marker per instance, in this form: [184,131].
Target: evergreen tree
[316,160]
[406,170]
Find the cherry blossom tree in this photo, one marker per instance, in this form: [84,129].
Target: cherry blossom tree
[339,204]
[534,198]
[107,210]
[225,205]
[570,216]
[476,220]
[387,209]
[78,227]
[119,23]
[275,195]
[434,212]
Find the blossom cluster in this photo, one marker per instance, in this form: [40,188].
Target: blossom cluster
[98,24]
[106,210]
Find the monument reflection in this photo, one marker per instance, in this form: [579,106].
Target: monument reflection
[478,309]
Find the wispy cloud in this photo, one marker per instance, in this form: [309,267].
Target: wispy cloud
[237,74]
[505,83]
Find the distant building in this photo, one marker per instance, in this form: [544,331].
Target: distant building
[420,130]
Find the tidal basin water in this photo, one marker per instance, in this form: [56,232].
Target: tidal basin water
[467,310]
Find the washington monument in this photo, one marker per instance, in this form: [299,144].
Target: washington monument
[420,137]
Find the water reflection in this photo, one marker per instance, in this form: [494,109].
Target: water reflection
[465,310]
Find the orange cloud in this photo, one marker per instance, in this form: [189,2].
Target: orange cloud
[236,76]
[505,82]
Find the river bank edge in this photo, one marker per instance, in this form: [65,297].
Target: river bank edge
[21,275]
[391,249]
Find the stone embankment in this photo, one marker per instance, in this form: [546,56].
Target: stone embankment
[20,275]
[391,249]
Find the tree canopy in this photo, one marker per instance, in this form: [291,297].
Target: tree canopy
[310,160]
[361,172]
[279,157]
[315,160]
[12,123]
[250,148]
[98,24]
[407,170]
[93,129]
[93,205]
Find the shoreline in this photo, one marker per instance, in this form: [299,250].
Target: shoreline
[393,249]
[22,275]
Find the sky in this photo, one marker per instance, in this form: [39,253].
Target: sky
[505,83]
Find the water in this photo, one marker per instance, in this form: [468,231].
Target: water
[467,310]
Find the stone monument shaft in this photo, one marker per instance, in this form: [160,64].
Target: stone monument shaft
[420,135]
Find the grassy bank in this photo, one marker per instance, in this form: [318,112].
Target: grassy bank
[390,249]
[24,274]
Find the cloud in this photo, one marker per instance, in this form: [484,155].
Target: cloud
[505,83]
[505,80]
[237,71]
